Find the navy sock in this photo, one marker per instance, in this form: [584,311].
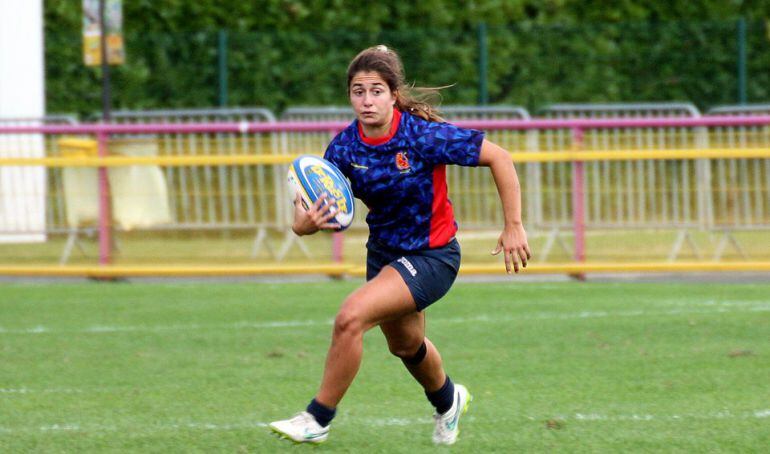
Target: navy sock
[322,414]
[444,397]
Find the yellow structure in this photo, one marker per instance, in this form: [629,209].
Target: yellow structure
[139,194]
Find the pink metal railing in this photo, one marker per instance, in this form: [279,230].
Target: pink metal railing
[577,126]
[303,126]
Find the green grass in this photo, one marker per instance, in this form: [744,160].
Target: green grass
[564,367]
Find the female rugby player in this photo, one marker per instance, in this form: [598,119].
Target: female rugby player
[395,155]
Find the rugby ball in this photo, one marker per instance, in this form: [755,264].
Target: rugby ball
[310,176]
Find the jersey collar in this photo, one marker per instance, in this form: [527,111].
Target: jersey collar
[381,140]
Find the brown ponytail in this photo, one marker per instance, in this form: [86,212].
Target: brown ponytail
[419,101]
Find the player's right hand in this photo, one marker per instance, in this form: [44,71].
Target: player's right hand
[315,218]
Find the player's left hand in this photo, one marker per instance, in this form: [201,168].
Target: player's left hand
[513,241]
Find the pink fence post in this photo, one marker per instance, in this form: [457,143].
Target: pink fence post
[578,198]
[338,242]
[105,229]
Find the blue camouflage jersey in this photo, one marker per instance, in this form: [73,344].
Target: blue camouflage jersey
[402,179]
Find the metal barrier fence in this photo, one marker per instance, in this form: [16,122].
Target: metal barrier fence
[15,206]
[740,109]
[620,110]
[685,204]
[218,209]
[661,167]
[676,205]
[737,207]
[246,197]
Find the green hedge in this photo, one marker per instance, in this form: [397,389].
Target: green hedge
[283,53]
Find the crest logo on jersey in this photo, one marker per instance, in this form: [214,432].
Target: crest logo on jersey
[402,162]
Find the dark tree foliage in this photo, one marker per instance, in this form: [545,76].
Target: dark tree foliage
[291,52]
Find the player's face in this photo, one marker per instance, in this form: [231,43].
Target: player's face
[372,99]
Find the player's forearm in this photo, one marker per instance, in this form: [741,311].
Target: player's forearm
[506,180]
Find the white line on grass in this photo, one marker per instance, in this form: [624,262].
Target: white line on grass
[40,391]
[714,308]
[189,327]
[75,427]
[724,414]
[371,422]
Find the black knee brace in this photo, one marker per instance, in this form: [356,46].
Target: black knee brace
[417,357]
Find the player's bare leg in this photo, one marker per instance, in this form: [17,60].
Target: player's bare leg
[405,336]
[406,339]
[383,298]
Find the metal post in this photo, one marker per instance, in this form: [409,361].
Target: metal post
[222,54]
[578,198]
[105,232]
[106,85]
[483,59]
[741,37]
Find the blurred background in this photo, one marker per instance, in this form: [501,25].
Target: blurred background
[278,62]
[280,53]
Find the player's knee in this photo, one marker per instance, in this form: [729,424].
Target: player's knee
[411,355]
[348,321]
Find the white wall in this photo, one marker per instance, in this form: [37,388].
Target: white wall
[22,95]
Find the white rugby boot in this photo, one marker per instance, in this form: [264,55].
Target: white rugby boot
[302,428]
[447,424]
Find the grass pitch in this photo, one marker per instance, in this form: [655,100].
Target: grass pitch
[568,367]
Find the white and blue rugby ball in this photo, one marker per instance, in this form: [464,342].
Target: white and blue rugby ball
[310,176]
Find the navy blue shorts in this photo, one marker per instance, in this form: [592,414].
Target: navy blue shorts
[428,273]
